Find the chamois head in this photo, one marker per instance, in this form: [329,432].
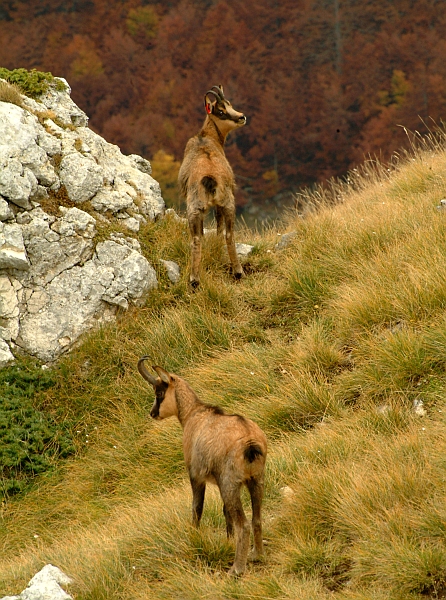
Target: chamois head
[165,404]
[220,109]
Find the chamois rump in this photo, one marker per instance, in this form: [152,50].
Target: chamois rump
[206,178]
[219,448]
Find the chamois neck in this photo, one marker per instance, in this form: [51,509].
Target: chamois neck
[187,401]
[210,129]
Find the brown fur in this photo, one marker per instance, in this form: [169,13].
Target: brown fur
[206,179]
[227,450]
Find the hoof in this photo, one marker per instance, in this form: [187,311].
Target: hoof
[255,557]
[194,283]
[233,572]
[238,275]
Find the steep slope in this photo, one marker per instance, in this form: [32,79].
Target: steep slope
[335,344]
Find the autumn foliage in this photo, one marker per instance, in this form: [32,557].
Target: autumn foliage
[323,83]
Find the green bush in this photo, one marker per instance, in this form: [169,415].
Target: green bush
[30,440]
[32,83]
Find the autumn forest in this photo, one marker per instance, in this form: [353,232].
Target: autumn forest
[322,82]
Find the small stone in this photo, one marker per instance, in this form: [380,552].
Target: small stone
[132,224]
[6,356]
[243,250]
[170,212]
[173,270]
[287,493]
[5,212]
[418,407]
[23,218]
[12,249]
[285,240]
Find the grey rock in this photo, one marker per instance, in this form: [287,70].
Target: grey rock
[55,282]
[23,162]
[5,212]
[173,270]
[49,143]
[50,255]
[9,307]
[123,174]
[45,585]
[61,103]
[418,407]
[244,250]
[6,356]
[75,221]
[112,199]
[130,242]
[171,214]
[285,240]
[141,164]
[132,272]
[132,224]
[12,248]
[82,297]
[81,176]
[23,218]
[17,183]
[69,305]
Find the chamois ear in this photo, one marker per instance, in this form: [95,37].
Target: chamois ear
[210,100]
[164,375]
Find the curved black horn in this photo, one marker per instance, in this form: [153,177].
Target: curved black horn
[145,372]
[217,93]
[220,91]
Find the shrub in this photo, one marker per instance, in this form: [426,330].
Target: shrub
[30,440]
[32,83]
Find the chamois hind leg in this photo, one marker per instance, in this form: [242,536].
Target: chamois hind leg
[229,215]
[219,218]
[233,504]
[198,491]
[255,488]
[196,231]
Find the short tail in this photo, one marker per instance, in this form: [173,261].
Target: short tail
[252,451]
[210,184]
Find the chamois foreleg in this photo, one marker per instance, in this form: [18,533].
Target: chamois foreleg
[196,231]
[233,504]
[229,524]
[229,215]
[255,488]
[198,491]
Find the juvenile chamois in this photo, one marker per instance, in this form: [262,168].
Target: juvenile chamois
[206,178]
[227,450]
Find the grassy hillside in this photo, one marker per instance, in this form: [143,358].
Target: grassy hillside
[328,344]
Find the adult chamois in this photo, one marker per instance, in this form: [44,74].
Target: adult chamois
[206,178]
[220,448]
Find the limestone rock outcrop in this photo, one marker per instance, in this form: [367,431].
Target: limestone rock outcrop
[60,184]
[45,585]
